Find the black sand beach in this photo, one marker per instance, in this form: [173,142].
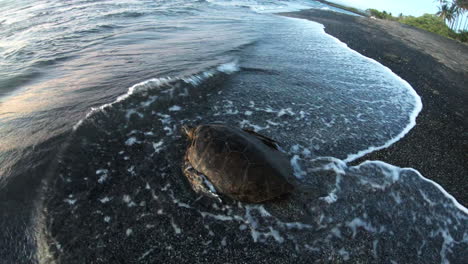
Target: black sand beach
[437,68]
[95,150]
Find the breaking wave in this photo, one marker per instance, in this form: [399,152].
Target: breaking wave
[156,83]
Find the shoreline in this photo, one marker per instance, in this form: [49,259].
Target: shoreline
[344,7]
[437,69]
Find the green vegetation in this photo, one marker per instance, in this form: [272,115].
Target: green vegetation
[432,23]
[382,15]
[446,22]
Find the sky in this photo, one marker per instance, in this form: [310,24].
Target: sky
[407,7]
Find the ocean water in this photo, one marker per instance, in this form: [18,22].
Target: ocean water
[92,98]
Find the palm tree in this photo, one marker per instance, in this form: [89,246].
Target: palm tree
[443,11]
[464,15]
[463,4]
[454,11]
[466,24]
[448,13]
[463,8]
[451,12]
[458,8]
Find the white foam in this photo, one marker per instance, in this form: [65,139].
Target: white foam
[374,248]
[131,141]
[297,225]
[221,217]
[165,119]
[195,79]
[229,68]
[395,169]
[331,198]
[175,108]
[344,254]
[126,198]
[158,146]
[145,254]
[412,116]
[268,6]
[176,228]
[247,124]
[102,171]
[301,115]
[103,175]
[358,222]
[426,198]
[298,172]
[333,164]
[70,201]
[286,111]
[105,200]
[131,112]
[336,232]
[128,232]
[151,83]
[396,196]
[148,102]
[169,131]
[232,112]
[272,123]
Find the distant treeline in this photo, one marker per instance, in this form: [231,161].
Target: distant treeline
[433,23]
[429,22]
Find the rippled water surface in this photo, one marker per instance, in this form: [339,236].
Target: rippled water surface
[92,98]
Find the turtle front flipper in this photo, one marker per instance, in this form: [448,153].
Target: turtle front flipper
[266,140]
[199,182]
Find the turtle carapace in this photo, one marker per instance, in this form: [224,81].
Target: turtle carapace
[240,164]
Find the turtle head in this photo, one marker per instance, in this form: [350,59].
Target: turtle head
[189,131]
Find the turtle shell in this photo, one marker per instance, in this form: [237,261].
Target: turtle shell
[242,165]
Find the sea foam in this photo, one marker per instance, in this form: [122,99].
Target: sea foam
[196,79]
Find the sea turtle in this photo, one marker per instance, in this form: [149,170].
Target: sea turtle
[240,164]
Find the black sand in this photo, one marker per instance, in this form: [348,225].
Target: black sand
[437,68]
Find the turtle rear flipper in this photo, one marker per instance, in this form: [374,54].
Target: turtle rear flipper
[199,182]
[266,140]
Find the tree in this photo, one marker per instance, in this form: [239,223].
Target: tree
[453,12]
[463,4]
[463,8]
[443,11]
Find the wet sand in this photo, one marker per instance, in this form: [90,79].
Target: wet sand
[437,68]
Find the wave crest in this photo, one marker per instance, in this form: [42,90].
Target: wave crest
[154,83]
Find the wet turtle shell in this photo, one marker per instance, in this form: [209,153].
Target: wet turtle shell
[240,164]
